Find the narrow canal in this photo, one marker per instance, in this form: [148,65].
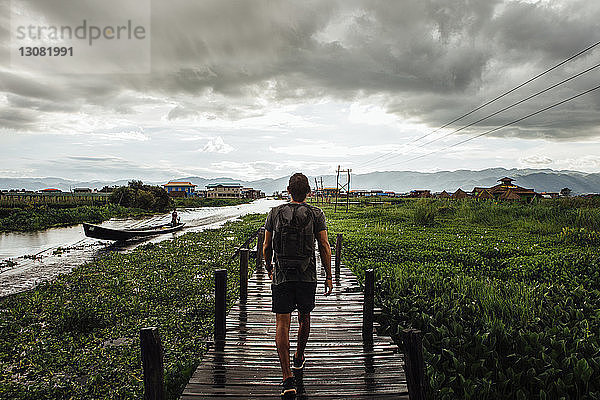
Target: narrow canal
[29,258]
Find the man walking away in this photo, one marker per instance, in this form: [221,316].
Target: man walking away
[290,232]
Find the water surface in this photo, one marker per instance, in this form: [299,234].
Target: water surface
[43,255]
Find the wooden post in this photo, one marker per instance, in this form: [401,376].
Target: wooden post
[337,189]
[259,246]
[244,275]
[220,303]
[338,254]
[152,363]
[414,365]
[368,303]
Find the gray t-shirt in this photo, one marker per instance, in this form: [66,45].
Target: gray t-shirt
[271,224]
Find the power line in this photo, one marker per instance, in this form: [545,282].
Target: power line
[508,107]
[490,101]
[393,155]
[511,90]
[503,126]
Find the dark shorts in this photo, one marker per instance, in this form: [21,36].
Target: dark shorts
[288,296]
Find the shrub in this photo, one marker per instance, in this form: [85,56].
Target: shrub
[424,213]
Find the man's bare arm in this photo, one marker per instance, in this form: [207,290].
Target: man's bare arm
[325,252]
[268,252]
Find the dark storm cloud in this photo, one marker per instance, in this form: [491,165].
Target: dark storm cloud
[428,60]
[17,119]
[550,32]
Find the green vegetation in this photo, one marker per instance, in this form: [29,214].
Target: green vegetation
[34,218]
[138,195]
[78,336]
[506,294]
[133,201]
[208,202]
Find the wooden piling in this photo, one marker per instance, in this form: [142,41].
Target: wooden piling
[220,304]
[412,340]
[244,275]
[152,363]
[259,247]
[368,305]
[338,253]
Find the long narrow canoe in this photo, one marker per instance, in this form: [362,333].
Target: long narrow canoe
[101,232]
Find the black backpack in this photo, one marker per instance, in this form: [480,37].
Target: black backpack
[294,237]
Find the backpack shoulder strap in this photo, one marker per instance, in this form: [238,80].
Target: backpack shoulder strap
[277,213]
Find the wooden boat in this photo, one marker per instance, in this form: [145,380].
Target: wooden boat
[101,232]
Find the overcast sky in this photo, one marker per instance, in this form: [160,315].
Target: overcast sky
[254,89]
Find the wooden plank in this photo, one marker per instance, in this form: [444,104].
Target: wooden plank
[380,396]
[312,389]
[340,365]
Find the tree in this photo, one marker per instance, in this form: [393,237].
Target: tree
[138,195]
[566,192]
[107,189]
[136,184]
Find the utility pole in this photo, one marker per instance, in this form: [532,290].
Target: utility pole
[337,188]
[341,186]
[348,191]
[319,190]
[322,191]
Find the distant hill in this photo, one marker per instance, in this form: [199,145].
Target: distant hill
[399,181]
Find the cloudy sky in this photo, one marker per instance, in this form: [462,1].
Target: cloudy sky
[253,89]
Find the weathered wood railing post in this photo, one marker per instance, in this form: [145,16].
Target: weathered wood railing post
[338,254]
[259,246]
[414,365]
[368,304]
[244,275]
[152,363]
[220,304]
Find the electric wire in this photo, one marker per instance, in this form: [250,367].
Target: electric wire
[503,126]
[507,107]
[487,103]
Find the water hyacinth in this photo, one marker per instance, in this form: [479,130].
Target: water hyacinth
[78,336]
[506,294]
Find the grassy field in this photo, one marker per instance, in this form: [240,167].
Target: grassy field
[506,294]
[78,336]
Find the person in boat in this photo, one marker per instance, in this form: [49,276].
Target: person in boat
[174,219]
[290,233]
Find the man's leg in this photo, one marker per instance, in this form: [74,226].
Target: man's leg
[303,332]
[282,340]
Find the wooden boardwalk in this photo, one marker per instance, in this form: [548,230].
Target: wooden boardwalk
[338,364]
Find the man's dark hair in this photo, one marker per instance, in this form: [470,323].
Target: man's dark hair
[298,187]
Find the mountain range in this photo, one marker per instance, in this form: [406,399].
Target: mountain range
[542,180]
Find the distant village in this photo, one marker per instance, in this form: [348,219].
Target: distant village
[213,191]
[505,190]
[173,188]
